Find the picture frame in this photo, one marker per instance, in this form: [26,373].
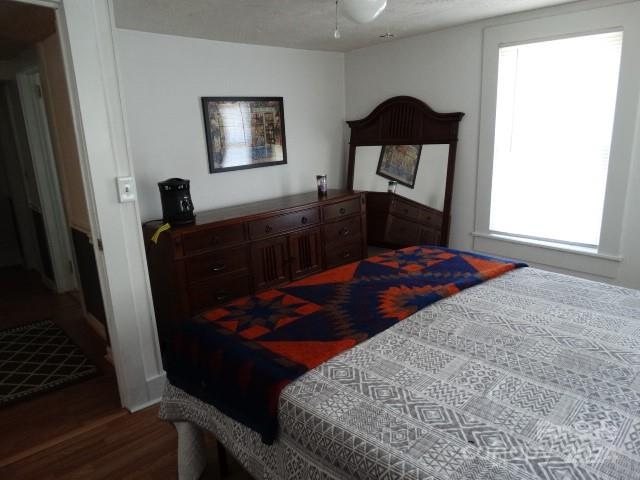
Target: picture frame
[244,132]
[399,163]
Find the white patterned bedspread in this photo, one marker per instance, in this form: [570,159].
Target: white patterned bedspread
[529,375]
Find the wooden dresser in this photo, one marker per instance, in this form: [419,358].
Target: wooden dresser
[231,252]
[394,221]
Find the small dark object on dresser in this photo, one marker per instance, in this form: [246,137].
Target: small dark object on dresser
[177,207]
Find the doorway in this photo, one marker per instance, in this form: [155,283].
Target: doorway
[89,50]
[53,333]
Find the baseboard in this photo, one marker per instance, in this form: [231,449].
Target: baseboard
[155,387]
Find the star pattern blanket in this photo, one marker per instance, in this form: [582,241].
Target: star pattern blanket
[239,357]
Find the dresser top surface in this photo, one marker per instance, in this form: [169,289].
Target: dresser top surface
[272,205]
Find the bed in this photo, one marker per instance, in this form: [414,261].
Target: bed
[528,375]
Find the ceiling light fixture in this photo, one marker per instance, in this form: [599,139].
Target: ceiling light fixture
[336,32]
[363,11]
[360,11]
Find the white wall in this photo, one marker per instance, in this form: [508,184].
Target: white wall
[443,69]
[163,78]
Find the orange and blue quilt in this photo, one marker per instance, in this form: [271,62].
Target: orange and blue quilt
[240,356]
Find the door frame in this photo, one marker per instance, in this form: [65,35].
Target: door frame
[44,166]
[86,30]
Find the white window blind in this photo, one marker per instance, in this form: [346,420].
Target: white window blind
[554,121]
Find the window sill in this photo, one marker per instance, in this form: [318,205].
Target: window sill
[559,247]
[562,256]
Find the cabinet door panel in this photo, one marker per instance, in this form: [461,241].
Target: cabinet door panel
[270,260]
[305,253]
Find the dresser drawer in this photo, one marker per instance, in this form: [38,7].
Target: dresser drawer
[408,210]
[212,238]
[347,253]
[342,209]
[432,219]
[430,236]
[215,264]
[402,232]
[342,231]
[217,291]
[283,223]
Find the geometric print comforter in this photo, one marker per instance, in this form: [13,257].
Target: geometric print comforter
[238,357]
[531,375]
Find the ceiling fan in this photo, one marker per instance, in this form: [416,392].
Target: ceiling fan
[360,11]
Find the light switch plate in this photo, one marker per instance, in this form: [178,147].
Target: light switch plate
[126,189]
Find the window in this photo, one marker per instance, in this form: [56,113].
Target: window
[554,118]
[558,136]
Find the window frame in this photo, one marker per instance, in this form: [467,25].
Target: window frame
[603,260]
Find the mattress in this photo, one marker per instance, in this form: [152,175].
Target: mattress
[530,375]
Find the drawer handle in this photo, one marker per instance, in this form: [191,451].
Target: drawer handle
[221,296]
[344,232]
[218,268]
[215,240]
[304,220]
[346,255]
[342,211]
[268,229]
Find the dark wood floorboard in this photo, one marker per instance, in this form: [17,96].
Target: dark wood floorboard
[81,431]
[136,446]
[39,419]
[25,299]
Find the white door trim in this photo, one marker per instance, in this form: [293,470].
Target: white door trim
[44,166]
[87,39]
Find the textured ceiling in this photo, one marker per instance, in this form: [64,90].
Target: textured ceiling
[306,24]
[21,26]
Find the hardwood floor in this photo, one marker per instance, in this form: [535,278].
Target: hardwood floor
[25,299]
[133,446]
[80,431]
[30,424]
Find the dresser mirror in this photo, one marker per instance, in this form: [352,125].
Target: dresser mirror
[418,211]
[430,178]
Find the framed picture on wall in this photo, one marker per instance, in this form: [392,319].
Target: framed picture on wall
[244,132]
[399,163]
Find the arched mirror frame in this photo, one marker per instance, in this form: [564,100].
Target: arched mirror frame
[406,120]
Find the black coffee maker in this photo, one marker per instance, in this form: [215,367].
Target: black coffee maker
[175,196]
